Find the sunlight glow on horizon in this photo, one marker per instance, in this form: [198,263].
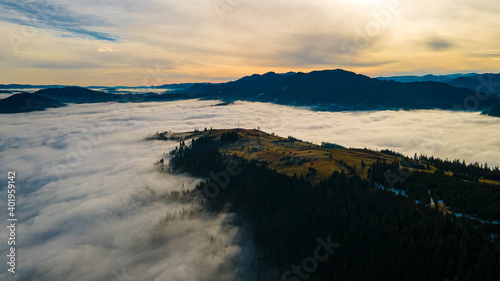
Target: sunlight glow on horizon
[125,43]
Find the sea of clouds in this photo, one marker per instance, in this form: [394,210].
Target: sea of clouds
[88,192]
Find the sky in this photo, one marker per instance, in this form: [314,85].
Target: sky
[153,42]
[89,204]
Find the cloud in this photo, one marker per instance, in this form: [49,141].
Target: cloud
[486,53]
[88,191]
[87,207]
[439,44]
[54,15]
[107,49]
[250,37]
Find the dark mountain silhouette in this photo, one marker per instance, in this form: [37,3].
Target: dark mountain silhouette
[83,95]
[174,86]
[495,111]
[108,89]
[426,78]
[331,90]
[75,95]
[26,102]
[27,86]
[340,90]
[486,83]
[55,97]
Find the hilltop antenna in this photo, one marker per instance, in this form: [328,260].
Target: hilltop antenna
[238,124]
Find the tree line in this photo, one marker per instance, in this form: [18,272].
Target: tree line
[382,236]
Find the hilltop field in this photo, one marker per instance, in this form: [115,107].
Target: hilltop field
[291,192]
[292,156]
[289,155]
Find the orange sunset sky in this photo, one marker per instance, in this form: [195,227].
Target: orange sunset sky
[152,42]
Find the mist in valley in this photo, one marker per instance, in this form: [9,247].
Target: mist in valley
[90,198]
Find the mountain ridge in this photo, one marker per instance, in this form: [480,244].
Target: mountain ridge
[340,90]
[324,90]
[485,82]
[27,102]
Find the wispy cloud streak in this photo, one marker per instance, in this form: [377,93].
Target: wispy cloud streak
[55,15]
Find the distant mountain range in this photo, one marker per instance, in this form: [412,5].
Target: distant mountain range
[495,111]
[57,97]
[426,78]
[109,89]
[341,90]
[83,95]
[27,102]
[330,90]
[26,86]
[485,83]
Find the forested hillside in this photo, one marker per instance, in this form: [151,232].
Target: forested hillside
[373,234]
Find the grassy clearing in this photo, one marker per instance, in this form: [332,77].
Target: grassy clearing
[291,156]
[489,181]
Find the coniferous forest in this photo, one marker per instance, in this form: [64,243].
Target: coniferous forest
[377,234]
